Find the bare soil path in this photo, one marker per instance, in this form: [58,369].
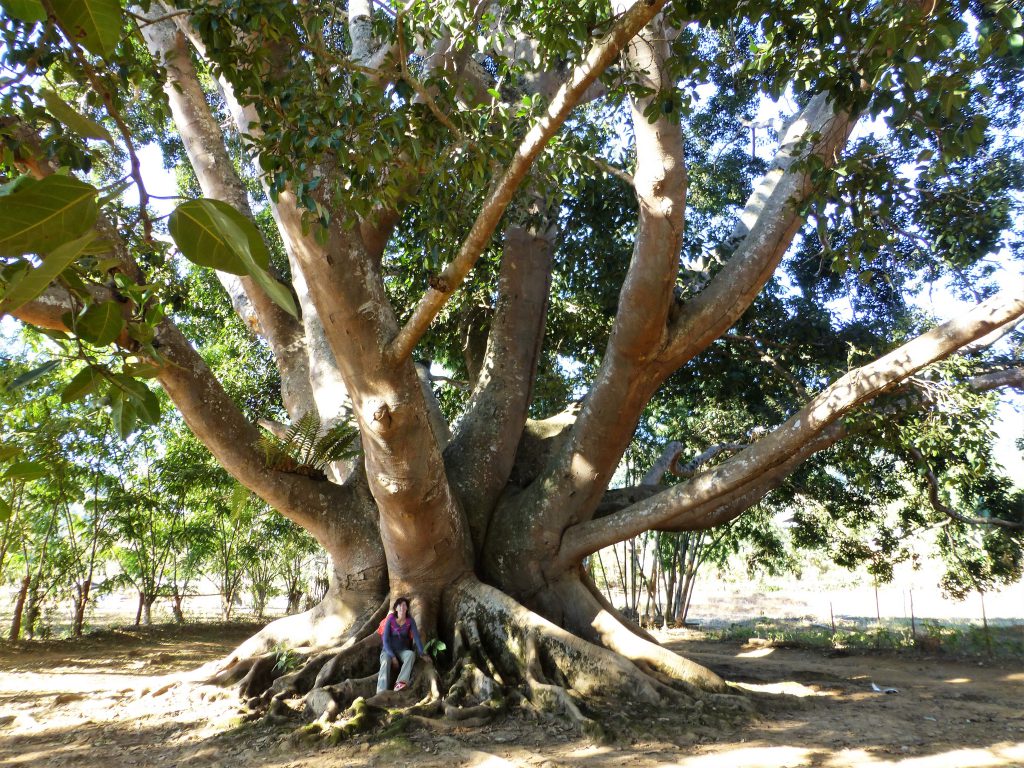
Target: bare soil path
[106,701]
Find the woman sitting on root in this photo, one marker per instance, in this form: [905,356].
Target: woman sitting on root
[399,633]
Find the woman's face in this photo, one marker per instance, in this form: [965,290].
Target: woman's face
[401,610]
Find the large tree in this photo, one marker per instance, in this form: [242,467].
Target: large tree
[497,194]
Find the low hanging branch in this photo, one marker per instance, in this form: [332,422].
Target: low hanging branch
[936,502]
[599,58]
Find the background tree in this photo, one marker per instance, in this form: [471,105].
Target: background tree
[589,163]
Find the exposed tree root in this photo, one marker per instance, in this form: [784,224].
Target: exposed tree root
[530,649]
[327,702]
[554,698]
[502,655]
[590,618]
[349,661]
[336,622]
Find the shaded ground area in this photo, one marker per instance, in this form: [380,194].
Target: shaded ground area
[107,701]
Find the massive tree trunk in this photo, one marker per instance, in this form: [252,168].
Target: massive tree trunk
[486,528]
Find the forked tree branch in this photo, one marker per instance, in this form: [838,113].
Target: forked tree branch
[723,510]
[600,56]
[802,428]
[764,232]
[328,389]
[579,472]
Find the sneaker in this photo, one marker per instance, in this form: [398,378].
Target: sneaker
[401,685]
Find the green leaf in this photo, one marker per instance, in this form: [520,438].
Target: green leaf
[85,127]
[257,270]
[96,24]
[5,511]
[34,375]
[34,282]
[25,470]
[114,192]
[24,10]
[148,407]
[914,73]
[198,228]
[240,496]
[85,382]
[1016,40]
[122,411]
[126,386]
[101,323]
[41,215]
[277,292]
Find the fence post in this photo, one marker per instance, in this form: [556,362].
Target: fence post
[913,622]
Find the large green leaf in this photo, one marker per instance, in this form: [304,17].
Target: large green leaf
[277,292]
[34,375]
[25,10]
[126,386]
[122,411]
[41,215]
[85,127]
[101,323]
[85,382]
[34,282]
[206,232]
[5,511]
[25,470]
[238,237]
[96,24]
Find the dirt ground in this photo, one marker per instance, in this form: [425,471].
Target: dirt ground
[105,701]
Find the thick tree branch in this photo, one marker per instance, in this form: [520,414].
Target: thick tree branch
[1008,377]
[360,30]
[215,419]
[481,455]
[721,510]
[668,461]
[601,55]
[731,505]
[328,390]
[992,338]
[807,425]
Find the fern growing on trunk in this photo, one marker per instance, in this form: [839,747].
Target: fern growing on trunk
[307,449]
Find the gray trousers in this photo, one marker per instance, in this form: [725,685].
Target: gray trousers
[405,674]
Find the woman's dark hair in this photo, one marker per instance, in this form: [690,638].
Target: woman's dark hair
[400,600]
